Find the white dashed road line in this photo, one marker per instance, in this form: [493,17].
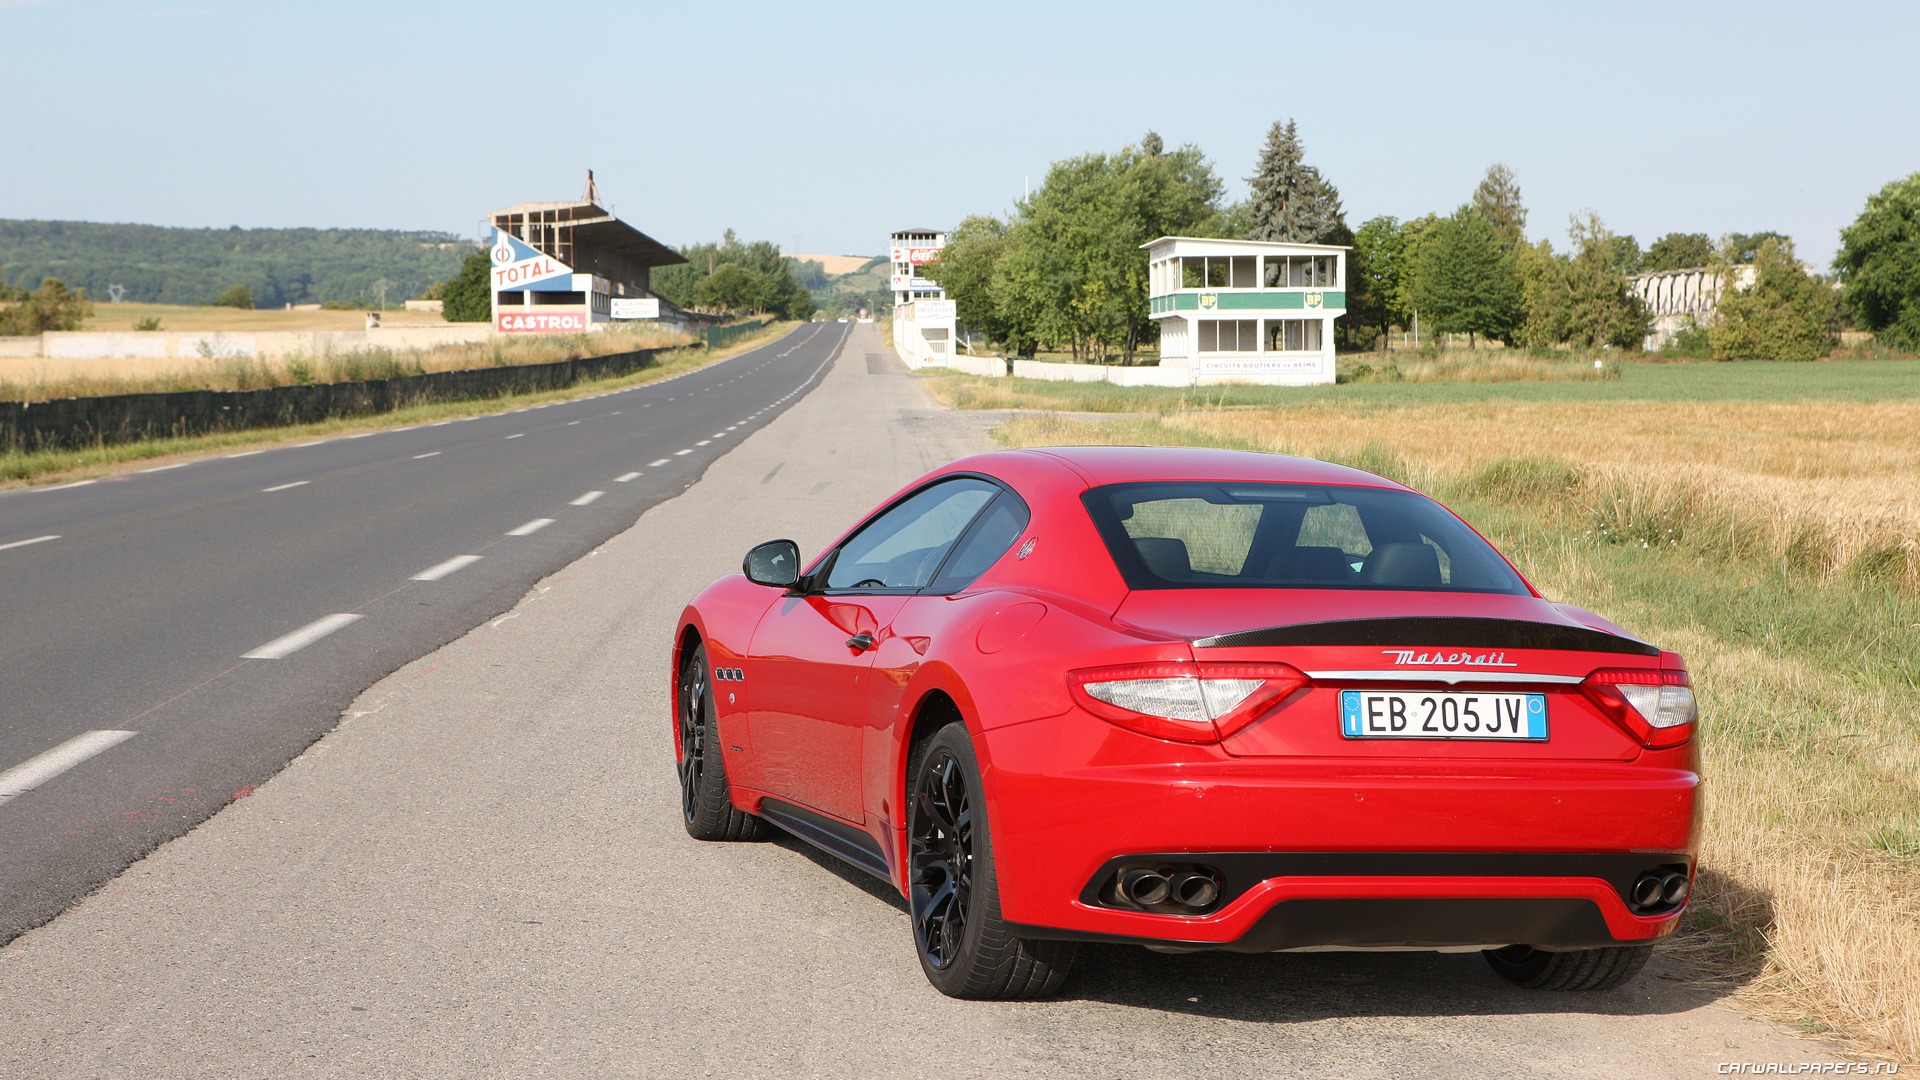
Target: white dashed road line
[35,540]
[531,527]
[283,487]
[588,499]
[458,562]
[702,442]
[35,771]
[657,464]
[522,435]
[624,478]
[281,648]
[571,423]
[428,454]
[683,453]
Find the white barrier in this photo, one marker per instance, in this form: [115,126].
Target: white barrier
[1093,373]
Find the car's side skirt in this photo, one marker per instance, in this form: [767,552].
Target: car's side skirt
[838,839]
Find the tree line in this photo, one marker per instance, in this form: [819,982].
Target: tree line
[1064,271]
[163,265]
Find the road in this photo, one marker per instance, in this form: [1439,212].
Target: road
[482,872]
[176,635]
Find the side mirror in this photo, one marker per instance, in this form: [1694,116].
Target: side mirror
[775,563]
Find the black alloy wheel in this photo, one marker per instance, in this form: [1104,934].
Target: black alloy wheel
[706,802]
[965,947]
[942,859]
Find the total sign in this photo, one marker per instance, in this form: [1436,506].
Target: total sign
[517,266]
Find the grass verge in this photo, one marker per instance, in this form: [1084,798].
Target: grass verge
[1807,658]
[62,466]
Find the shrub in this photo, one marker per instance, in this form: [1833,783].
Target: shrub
[1786,314]
[239,296]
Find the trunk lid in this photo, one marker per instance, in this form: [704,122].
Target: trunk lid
[1437,661]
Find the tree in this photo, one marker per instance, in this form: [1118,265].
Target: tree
[1581,299]
[1678,251]
[468,295]
[1623,254]
[1291,202]
[1785,314]
[1464,282]
[52,306]
[1072,272]
[238,296]
[1152,145]
[965,269]
[1879,260]
[1744,248]
[1498,200]
[1380,260]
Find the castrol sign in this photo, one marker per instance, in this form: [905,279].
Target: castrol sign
[517,266]
[512,321]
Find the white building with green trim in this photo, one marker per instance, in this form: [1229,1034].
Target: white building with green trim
[1245,310]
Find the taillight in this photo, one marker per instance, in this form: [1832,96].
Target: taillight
[1656,707]
[1185,701]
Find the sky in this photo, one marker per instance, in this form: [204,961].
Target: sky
[824,127]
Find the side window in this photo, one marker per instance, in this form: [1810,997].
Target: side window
[983,545]
[901,548]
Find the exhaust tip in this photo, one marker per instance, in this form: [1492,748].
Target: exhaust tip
[1674,888]
[1647,889]
[1144,887]
[1195,890]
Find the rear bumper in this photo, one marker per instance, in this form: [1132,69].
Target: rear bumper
[1330,853]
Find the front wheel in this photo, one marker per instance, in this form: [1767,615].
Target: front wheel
[705,800]
[965,947]
[1581,969]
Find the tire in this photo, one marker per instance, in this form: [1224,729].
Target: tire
[965,947]
[1582,969]
[705,800]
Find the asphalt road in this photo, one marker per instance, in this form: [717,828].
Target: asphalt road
[482,872]
[174,636]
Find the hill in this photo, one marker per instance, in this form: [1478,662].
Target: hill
[163,265]
[835,265]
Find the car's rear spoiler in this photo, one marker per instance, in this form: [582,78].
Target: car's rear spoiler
[1438,632]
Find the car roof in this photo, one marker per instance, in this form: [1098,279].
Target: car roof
[1101,465]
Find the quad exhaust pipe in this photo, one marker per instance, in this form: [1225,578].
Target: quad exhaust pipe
[1659,890]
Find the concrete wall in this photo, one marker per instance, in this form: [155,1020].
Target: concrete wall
[118,418]
[194,345]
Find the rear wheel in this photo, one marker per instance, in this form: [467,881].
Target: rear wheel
[1582,969]
[705,801]
[965,947]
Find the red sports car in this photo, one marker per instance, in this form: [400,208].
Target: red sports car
[1194,699]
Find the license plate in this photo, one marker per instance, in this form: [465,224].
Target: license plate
[1442,714]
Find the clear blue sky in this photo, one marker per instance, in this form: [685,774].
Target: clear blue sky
[824,127]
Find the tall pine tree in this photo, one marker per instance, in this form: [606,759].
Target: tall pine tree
[1291,201]
[1498,200]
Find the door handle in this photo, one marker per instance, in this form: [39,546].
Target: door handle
[860,642]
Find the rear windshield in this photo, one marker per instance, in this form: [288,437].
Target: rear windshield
[1291,536]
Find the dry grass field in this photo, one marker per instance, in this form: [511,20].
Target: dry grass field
[1764,523]
[115,317]
[42,379]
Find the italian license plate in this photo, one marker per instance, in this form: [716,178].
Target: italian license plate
[1442,714]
